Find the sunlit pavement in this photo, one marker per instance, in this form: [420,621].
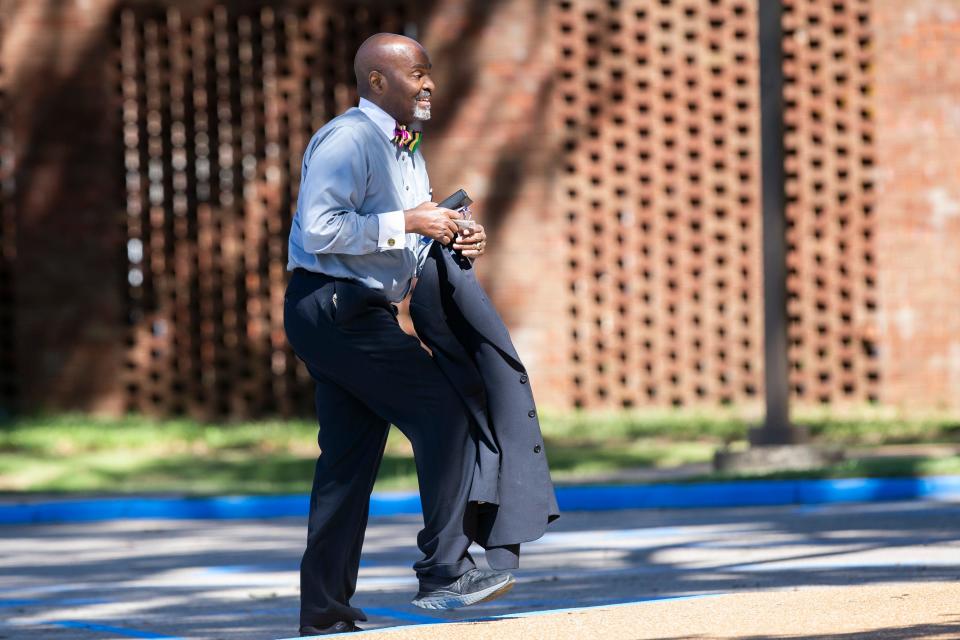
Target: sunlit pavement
[239,579]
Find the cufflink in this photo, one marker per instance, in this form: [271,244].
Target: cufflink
[391,242]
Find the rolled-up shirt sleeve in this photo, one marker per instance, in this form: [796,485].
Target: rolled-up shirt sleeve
[332,190]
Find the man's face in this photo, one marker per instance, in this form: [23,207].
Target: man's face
[409,86]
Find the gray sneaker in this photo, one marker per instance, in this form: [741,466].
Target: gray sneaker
[476,585]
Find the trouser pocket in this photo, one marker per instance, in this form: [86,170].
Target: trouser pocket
[352,300]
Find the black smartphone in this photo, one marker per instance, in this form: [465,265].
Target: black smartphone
[458,200]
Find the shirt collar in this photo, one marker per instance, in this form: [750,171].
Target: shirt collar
[381,118]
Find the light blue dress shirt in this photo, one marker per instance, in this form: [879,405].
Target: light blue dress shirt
[354,185]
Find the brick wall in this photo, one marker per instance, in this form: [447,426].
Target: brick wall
[149,164]
[492,134]
[918,204]
[68,333]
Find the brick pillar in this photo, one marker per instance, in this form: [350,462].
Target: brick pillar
[68,321]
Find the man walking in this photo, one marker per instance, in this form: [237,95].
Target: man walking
[363,224]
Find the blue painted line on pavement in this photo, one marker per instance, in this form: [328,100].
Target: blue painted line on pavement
[756,493]
[786,566]
[120,631]
[252,568]
[612,605]
[750,493]
[569,604]
[403,615]
[94,510]
[29,602]
[18,603]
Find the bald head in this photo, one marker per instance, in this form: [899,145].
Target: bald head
[393,71]
[378,52]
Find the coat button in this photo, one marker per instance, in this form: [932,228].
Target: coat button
[536,449]
[523,378]
[532,413]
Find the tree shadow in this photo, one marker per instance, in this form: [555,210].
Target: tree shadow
[84,338]
[68,330]
[646,555]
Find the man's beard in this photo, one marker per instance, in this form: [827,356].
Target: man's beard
[421,113]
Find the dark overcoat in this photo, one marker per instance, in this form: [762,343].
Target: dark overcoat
[512,497]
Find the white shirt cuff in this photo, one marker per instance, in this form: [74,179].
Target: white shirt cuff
[392,234]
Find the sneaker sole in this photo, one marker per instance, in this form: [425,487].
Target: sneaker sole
[454,602]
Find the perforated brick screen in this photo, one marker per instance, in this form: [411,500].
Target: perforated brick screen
[654,107]
[658,105]
[217,108]
[831,192]
[661,192]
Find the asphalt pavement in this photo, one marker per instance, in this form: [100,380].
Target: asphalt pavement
[238,579]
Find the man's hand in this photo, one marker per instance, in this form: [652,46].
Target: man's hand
[432,221]
[472,241]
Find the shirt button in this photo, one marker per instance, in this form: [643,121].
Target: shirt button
[532,413]
[523,378]
[536,449]
[407,187]
[391,242]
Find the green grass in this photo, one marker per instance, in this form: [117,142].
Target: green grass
[885,467]
[76,453]
[863,426]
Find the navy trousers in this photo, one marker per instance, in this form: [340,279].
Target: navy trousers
[370,374]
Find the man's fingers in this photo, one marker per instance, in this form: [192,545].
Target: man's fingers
[472,240]
[450,213]
[471,247]
[446,234]
[462,237]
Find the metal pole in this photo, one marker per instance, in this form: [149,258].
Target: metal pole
[776,429]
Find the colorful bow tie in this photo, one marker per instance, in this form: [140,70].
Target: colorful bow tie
[406,139]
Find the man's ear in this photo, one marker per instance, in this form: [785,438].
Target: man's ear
[377,82]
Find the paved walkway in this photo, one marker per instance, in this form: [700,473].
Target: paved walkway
[238,579]
[926,610]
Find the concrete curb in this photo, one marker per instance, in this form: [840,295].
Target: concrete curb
[748,493]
